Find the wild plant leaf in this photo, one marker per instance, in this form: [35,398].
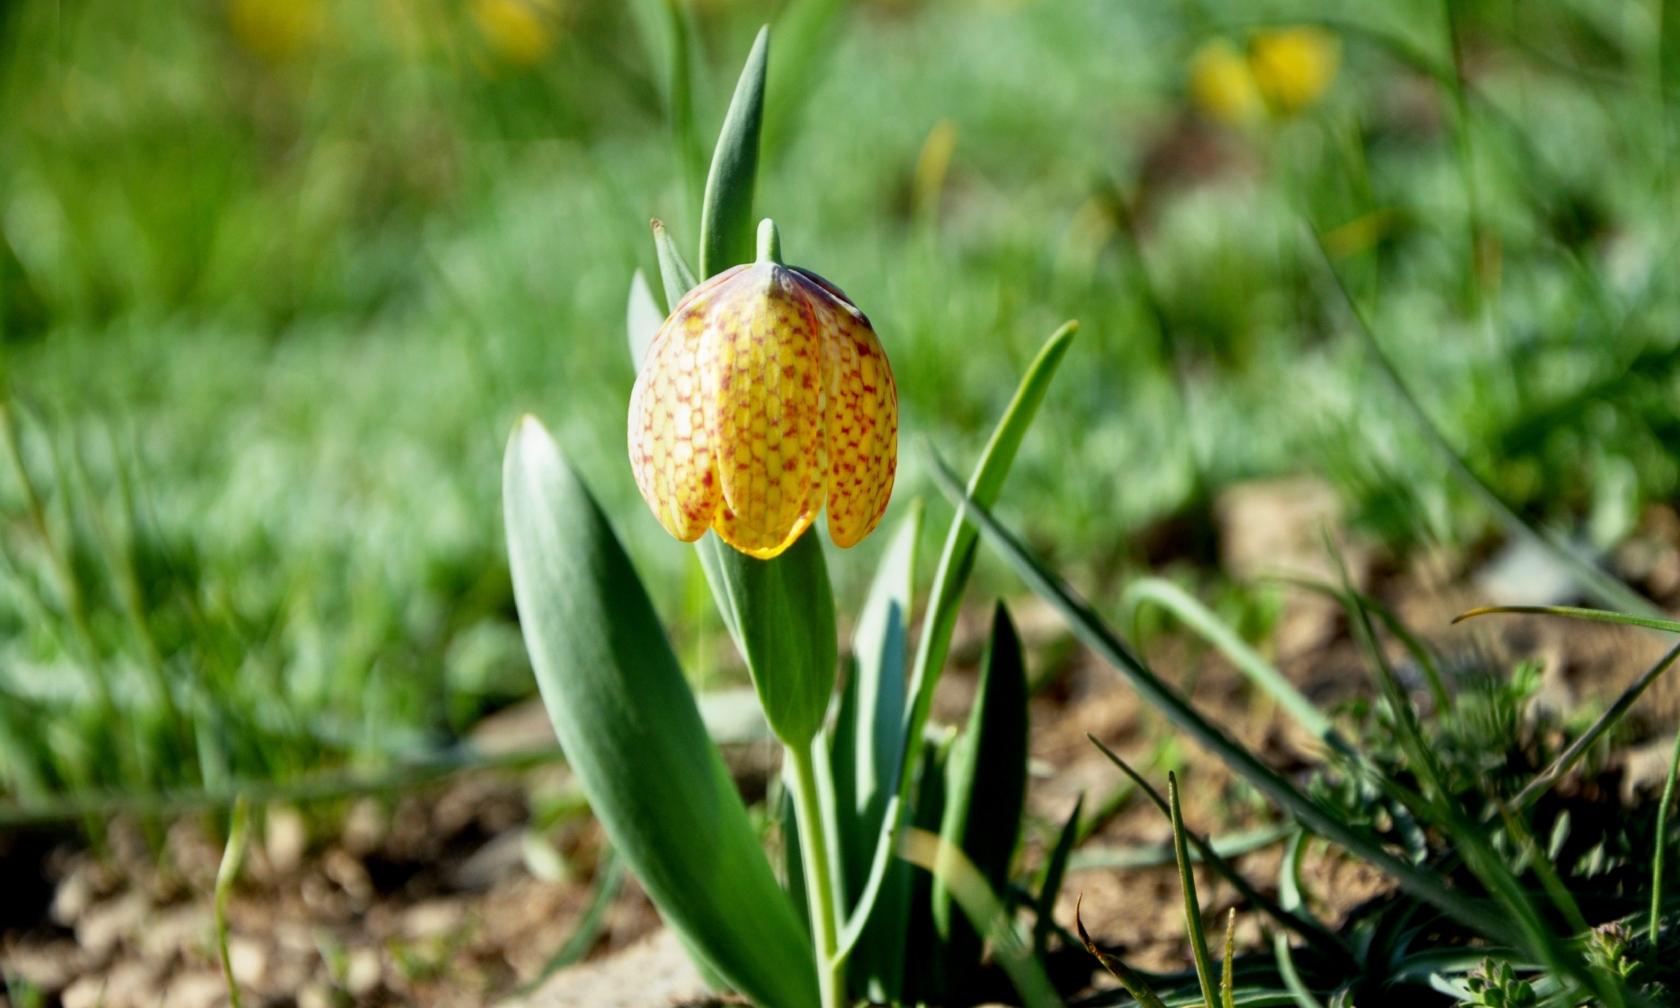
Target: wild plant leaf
[642,319]
[979,902]
[633,733]
[781,614]
[1659,845]
[1192,613]
[1602,586]
[1097,635]
[1192,905]
[956,563]
[1566,760]
[1468,841]
[1050,886]
[1292,917]
[1134,984]
[674,273]
[726,216]
[1227,976]
[867,747]
[985,786]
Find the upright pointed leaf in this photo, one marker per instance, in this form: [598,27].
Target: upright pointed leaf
[642,319]
[726,216]
[866,750]
[674,273]
[633,734]
[781,614]
[986,786]
[1055,869]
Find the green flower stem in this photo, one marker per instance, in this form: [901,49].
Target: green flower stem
[1657,856]
[815,850]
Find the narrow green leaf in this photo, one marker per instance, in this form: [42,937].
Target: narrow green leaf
[956,563]
[781,614]
[1228,845]
[1289,896]
[642,319]
[233,855]
[674,273]
[726,216]
[1055,869]
[953,869]
[987,780]
[866,748]
[1594,580]
[1660,847]
[1227,976]
[985,785]
[1543,781]
[1289,916]
[633,733]
[1134,984]
[1596,615]
[1192,905]
[609,880]
[1192,613]
[1097,635]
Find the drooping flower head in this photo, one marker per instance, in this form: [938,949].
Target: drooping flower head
[765,396]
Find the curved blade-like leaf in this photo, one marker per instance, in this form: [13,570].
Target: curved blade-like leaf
[1096,634]
[985,786]
[633,734]
[642,319]
[781,614]
[726,216]
[674,273]
[866,749]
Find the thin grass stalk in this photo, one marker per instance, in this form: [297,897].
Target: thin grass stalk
[609,880]
[1661,847]
[1227,974]
[232,856]
[1096,634]
[1467,838]
[1192,906]
[1192,613]
[1315,933]
[1134,984]
[1606,589]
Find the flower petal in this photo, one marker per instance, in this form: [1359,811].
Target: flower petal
[861,413]
[671,449]
[765,382]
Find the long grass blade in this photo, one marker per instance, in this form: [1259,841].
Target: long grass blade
[1055,869]
[674,273]
[1289,916]
[1574,612]
[1606,589]
[1192,905]
[949,865]
[1095,634]
[609,881]
[1227,976]
[1135,985]
[950,579]
[233,855]
[1660,848]
[726,216]
[1543,781]
[1467,838]
[1190,611]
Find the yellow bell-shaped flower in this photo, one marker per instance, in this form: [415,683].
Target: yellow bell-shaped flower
[764,396]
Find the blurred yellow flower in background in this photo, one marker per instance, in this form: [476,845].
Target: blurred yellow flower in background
[275,29]
[1292,67]
[517,30]
[1284,71]
[1222,85]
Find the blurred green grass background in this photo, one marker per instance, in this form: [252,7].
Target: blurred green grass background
[277,276]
